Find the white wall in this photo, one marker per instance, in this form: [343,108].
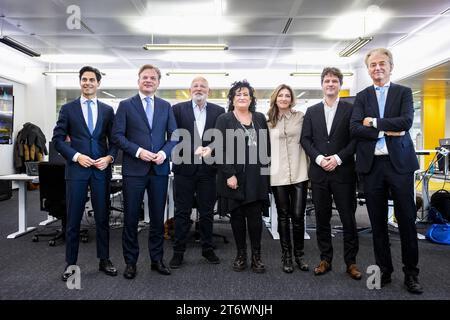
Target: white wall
[34,98]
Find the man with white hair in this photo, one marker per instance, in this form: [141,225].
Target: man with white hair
[195,180]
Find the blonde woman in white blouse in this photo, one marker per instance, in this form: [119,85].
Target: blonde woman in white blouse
[288,174]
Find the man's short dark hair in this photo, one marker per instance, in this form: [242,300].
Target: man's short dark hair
[333,71]
[98,75]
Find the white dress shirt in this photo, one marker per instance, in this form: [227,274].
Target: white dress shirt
[200,117]
[144,105]
[384,150]
[330,112]
[84,109]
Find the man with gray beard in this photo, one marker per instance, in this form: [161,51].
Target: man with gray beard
[195,180]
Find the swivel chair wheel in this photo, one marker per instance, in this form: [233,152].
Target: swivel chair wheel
[35,239]
[51,243]
[84,239]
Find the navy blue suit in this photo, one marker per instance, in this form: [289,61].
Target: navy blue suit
[194,179]
[131,130]
[391,175]
[71,123]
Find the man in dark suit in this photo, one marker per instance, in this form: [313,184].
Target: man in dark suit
[193,178]
[326,140]
[385,158]
[142,128]
[87,122]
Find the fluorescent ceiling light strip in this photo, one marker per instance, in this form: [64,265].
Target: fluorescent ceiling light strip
[439,79]
[218,73]
[109,94]
[47,73]
[355,46]
[315,74]
[19,46]
[206,46]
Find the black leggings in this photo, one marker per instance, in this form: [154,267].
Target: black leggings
[248,215]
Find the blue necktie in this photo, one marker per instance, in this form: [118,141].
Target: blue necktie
[149,111]
[90,116]
[381,103]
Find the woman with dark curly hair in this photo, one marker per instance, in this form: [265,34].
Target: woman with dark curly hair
[242,180]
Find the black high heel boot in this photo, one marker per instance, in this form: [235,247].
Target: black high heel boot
[286,259]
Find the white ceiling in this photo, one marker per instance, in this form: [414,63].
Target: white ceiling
[254,35]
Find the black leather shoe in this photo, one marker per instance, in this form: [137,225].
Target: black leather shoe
[240,262]
[211,256]
[130,271]
[385,279]
[161,268]
[412,284]
[66,275]
[107,267]
[176,261]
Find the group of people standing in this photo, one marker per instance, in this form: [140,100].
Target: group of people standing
[283,153]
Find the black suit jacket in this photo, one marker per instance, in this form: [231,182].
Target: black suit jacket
[316,141]
[184,116]
[398,116]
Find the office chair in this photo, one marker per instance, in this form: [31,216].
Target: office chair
[52,194]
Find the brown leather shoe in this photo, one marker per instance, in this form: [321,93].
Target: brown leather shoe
[353,271]
[322,268]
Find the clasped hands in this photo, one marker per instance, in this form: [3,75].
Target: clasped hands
[101,163]
[329,163]
[367,122]
[148,156]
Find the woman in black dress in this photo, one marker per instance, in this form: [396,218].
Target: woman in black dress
[243,180]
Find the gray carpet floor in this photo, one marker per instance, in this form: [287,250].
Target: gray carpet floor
[31,270]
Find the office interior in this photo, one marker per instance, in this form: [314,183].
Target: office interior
[268,43]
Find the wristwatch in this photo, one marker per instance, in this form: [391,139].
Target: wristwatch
[371,123]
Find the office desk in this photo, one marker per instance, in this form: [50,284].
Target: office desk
[22,180]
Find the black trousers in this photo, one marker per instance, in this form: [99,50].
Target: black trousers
[345,199]
[247,216]
[291,203]
[203,188]
[381,180]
